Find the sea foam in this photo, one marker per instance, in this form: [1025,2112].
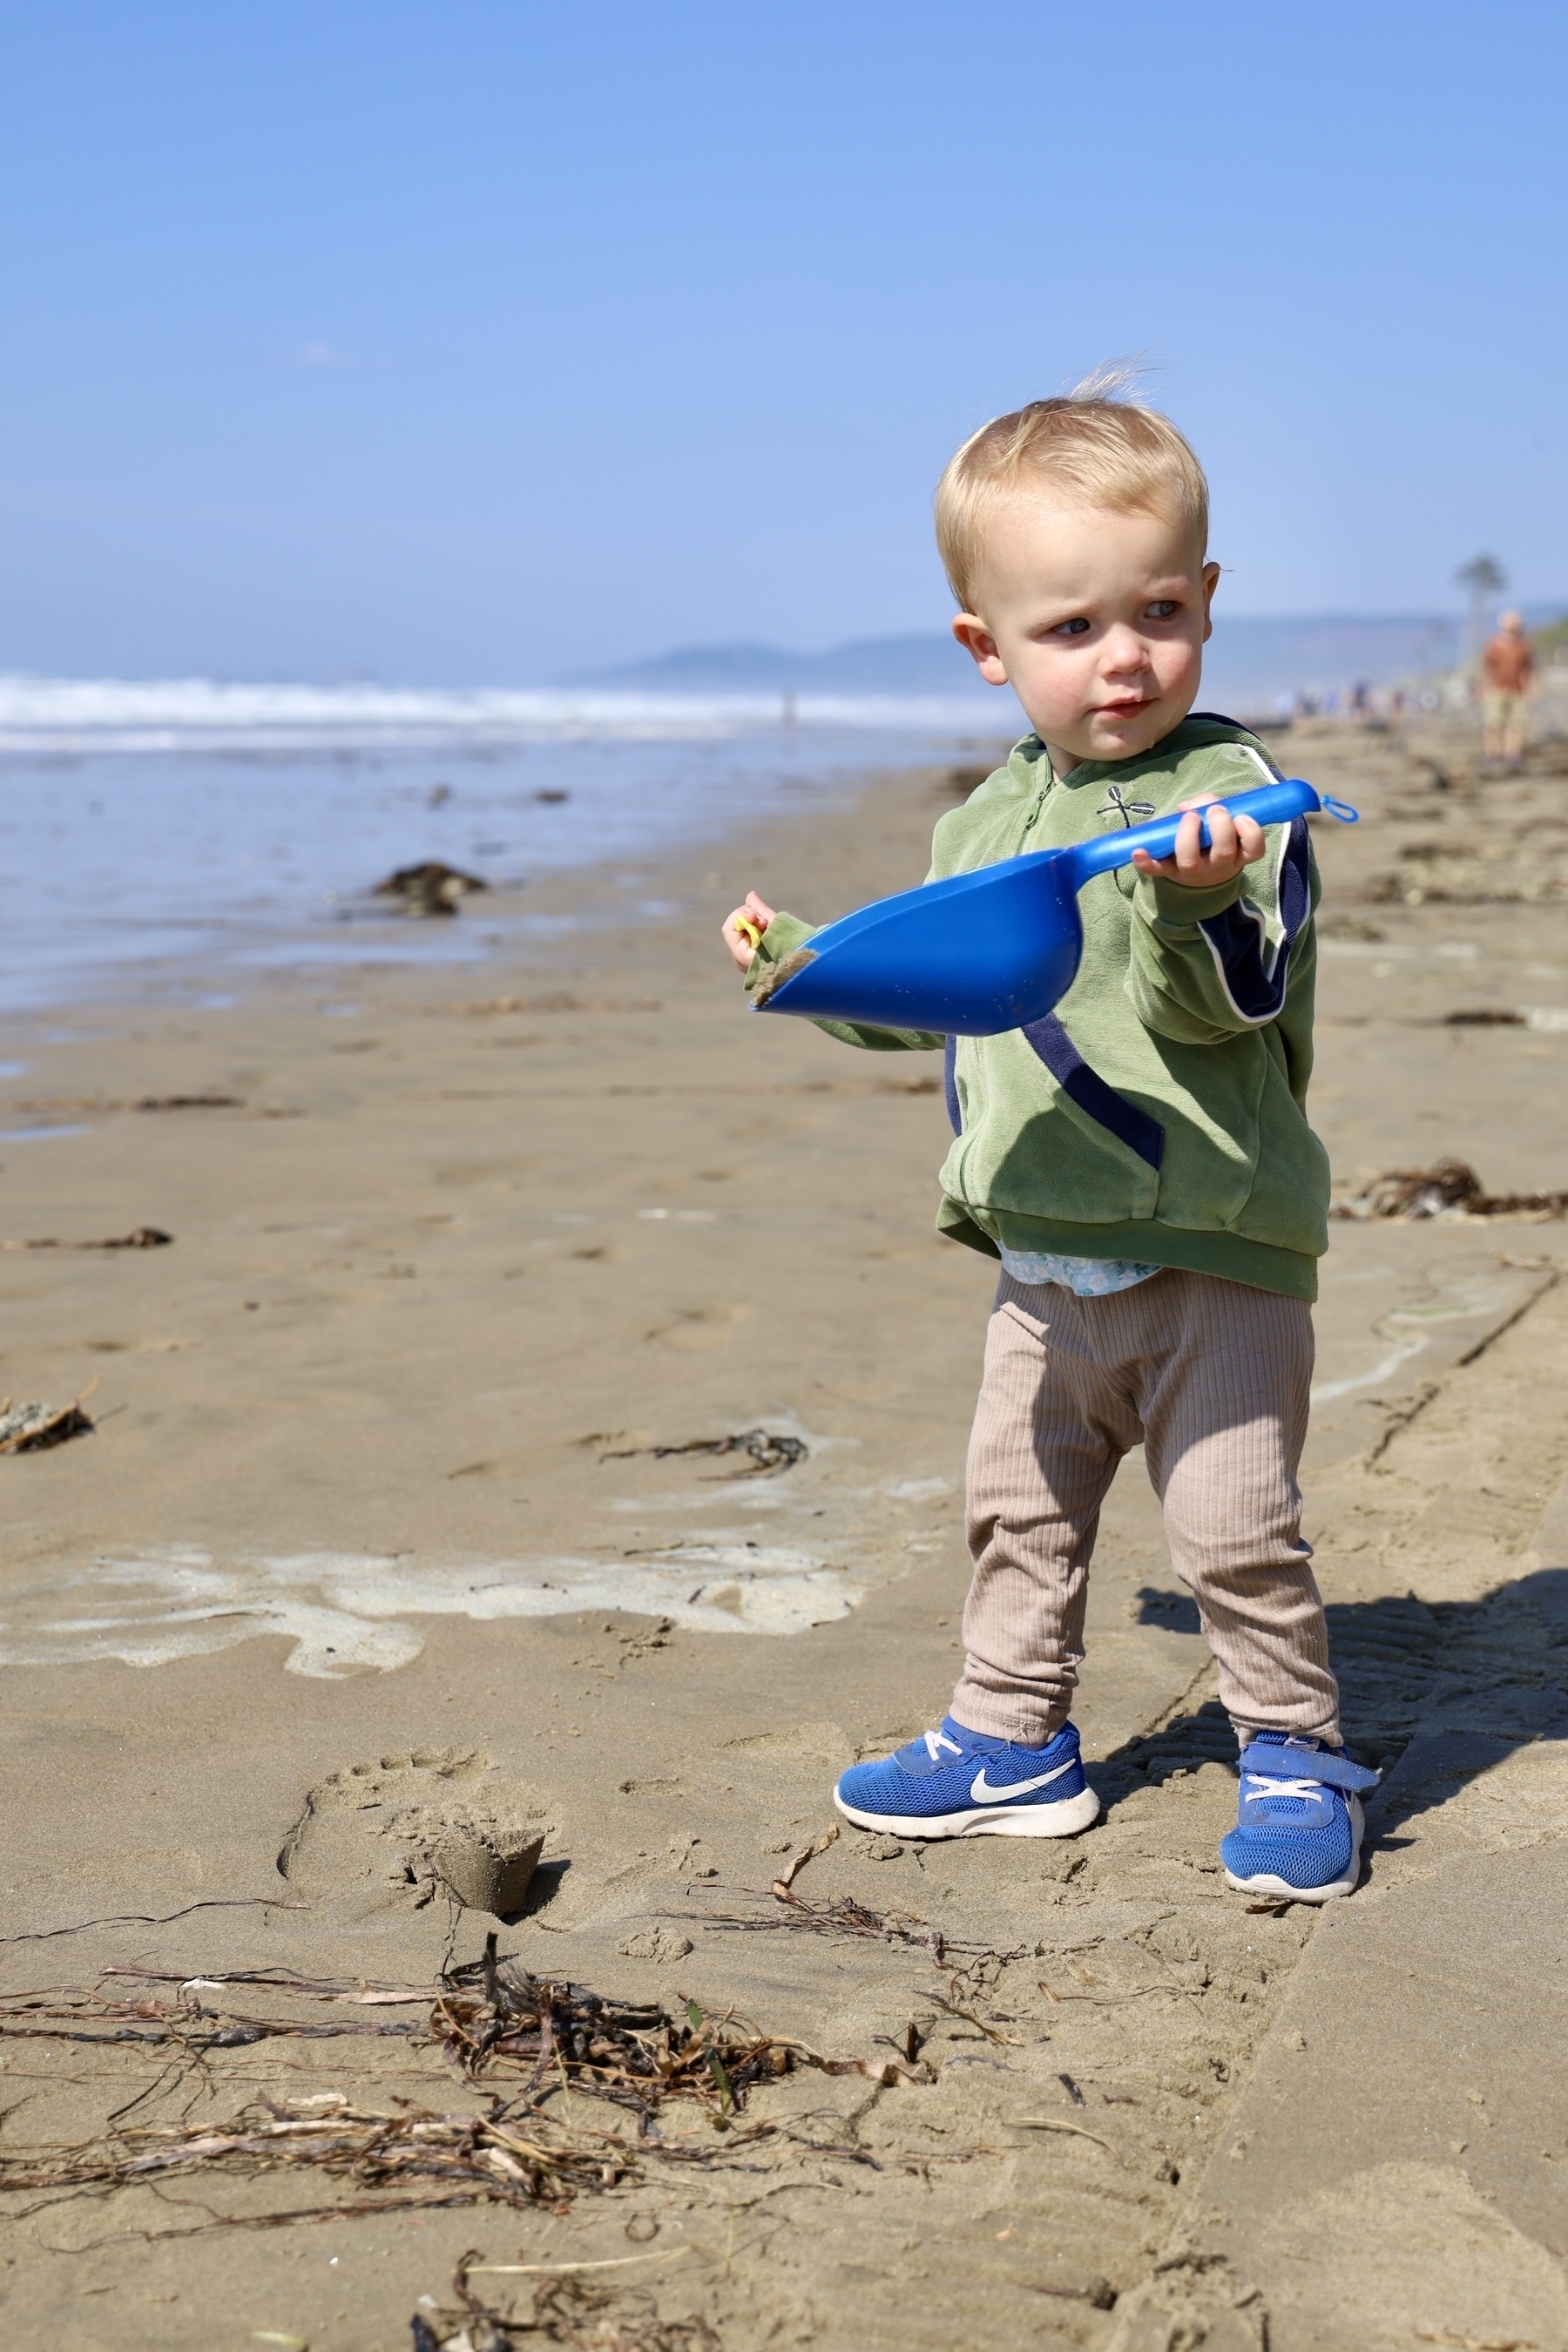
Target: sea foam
[196,714]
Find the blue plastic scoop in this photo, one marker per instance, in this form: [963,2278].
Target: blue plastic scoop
[978,954]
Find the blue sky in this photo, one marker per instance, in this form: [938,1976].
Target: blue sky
[491,341]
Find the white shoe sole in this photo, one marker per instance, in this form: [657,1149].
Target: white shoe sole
[1065,1817]
[1268,1883]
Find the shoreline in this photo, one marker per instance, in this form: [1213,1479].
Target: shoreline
[141,872]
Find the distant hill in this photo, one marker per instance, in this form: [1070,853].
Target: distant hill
[1253,660]
[901,666]
[1249,661]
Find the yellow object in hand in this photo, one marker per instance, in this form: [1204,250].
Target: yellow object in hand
[750,931]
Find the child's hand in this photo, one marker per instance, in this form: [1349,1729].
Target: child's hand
[744,928]
[1234,842]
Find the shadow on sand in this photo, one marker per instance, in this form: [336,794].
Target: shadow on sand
[1483,1677]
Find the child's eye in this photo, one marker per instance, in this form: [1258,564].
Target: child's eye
[1162,608]
[1070,628]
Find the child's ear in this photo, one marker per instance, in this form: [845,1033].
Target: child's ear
[1211,582]
[980,646]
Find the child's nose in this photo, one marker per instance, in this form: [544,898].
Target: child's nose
[1125,653]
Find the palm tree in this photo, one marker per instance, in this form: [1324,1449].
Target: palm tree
[1484,577]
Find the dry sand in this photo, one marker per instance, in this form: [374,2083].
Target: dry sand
[368,1543]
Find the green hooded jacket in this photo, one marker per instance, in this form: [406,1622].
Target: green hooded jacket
[1159,1113]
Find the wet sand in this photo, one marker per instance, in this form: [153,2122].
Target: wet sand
[373,1486]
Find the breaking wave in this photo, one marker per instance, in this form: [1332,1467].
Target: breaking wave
[81,715]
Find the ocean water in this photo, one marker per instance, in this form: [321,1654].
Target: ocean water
[152,831]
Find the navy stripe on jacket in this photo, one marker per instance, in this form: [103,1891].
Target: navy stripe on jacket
[1142,1134]
[950,1085]
[1254,972]
[1131,1126]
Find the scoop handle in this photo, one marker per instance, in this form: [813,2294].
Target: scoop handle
[1269,803]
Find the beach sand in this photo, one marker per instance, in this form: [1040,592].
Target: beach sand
[373,1536]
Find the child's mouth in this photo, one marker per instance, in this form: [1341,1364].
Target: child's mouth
[1126,708]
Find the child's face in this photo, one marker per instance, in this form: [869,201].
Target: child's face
[1096,620]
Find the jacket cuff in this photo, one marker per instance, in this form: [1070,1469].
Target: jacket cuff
[782,936]
[1171,906]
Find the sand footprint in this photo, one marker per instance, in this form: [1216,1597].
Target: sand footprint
[437,1820]
[699,1329]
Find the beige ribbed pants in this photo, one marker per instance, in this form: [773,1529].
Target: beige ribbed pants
[1211,1376]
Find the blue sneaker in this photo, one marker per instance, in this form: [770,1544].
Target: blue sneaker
[1299,1823]
[959,1783]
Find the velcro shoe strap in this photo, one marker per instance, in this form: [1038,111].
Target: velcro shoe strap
[1269,1762]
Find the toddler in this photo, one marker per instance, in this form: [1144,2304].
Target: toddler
[1139,1161]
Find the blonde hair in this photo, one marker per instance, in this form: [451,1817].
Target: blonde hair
[1106,450]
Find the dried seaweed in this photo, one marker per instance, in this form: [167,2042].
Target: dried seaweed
[30,1428]
[565,2309]
[156,1919]
[845,1915]
[421,2157]
[1449,1188]
[140,1237]
[970,2016]
[1059,2124]
[493,2013]
[767,1454]
[431,887]
[1113,2000]
[191,1102]
[364,1995]
[786,1878]
[187,2024]
[208,1100]
[487,2018]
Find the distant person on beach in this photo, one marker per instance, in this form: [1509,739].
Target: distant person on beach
[1508,682]
[1139,1161]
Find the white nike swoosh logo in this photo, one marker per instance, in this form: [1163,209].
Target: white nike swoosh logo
[985,1794]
